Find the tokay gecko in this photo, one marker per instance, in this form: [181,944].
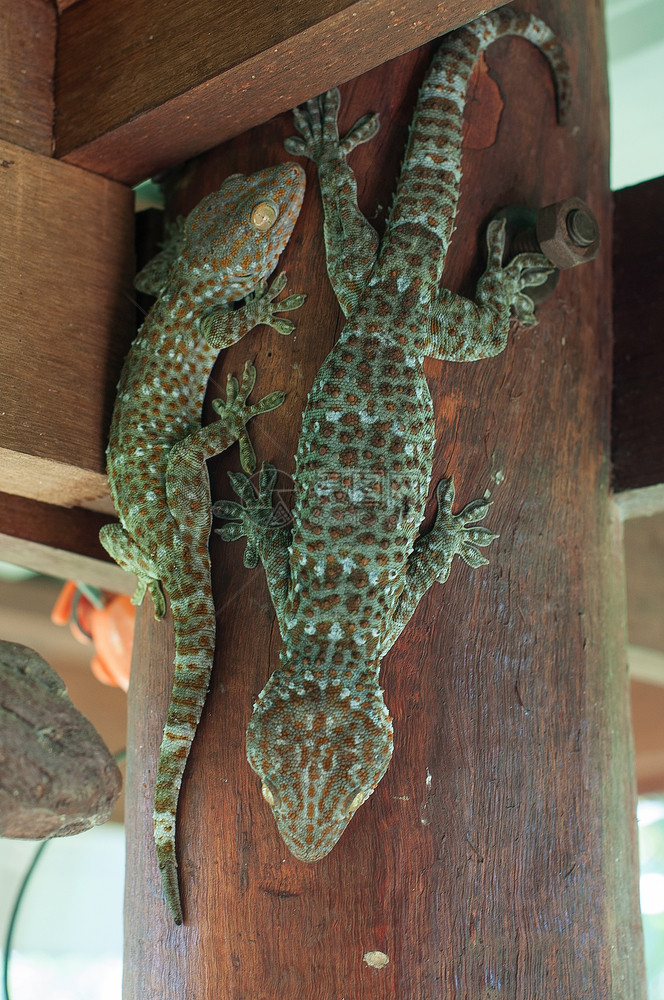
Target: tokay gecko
[348,575]
[222,253]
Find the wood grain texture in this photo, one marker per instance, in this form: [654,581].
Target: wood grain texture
[59,542]
[638,285]
[143,87]
[497,856]
[27,66]
[66,302]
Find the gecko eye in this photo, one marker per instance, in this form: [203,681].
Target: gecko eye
[263,216]
[270,795]
[353,802]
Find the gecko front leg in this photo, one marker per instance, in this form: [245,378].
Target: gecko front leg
[460,329]
[351,242]
[222,326]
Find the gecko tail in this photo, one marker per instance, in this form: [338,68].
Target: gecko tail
[193,621]
[432,161]
[168,868]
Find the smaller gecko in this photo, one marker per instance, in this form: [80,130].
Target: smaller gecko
[157,452]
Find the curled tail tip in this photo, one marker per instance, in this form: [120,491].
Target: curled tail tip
[513,21]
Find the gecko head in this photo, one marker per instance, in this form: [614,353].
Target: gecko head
[319,749]
[235,235]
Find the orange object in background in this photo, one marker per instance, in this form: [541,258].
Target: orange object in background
[103,620]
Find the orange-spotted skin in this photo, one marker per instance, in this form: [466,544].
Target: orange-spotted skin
[347,577]
[223,252]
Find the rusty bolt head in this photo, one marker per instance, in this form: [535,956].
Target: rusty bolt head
[568,233]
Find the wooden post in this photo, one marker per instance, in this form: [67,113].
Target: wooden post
[497,856]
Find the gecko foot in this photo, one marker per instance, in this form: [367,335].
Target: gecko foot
[121,546]
[452,534]
[253,517]
[316,121]
[235,413]
[510,282]
[261,303]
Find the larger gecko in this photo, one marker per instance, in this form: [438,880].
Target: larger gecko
[348,576]
[223,252]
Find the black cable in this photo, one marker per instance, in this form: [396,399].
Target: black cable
[14,917]
[9,936]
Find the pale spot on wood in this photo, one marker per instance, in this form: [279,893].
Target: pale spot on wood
[376,959]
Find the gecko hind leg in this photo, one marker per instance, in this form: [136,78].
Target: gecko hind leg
[187,482]
[122,547]
[263,525]
[457,534]
[252,517]
[432,555]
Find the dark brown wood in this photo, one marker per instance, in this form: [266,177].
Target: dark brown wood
[59,542]
[498,853]
[27,62]
[57,777]
[160,81]
[638,288]
[66,303]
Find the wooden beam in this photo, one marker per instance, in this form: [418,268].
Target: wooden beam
[498,853]
[27,63]
[59,542]
[638,290]
[142,87]
[66,301]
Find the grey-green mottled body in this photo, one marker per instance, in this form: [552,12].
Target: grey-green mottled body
[348,576]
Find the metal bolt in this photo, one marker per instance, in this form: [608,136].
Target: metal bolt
[582,227]
[567,233]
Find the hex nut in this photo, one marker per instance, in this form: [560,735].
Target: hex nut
[568,233]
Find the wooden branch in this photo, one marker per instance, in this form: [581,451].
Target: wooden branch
[500,847]
[638,366]
[27,63]
[59,542]
[171,79]
[66,301]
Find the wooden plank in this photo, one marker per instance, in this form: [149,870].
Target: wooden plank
[194,74]
[27,62]
[66,266]
[498,854]
[59,542]
[638,286]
